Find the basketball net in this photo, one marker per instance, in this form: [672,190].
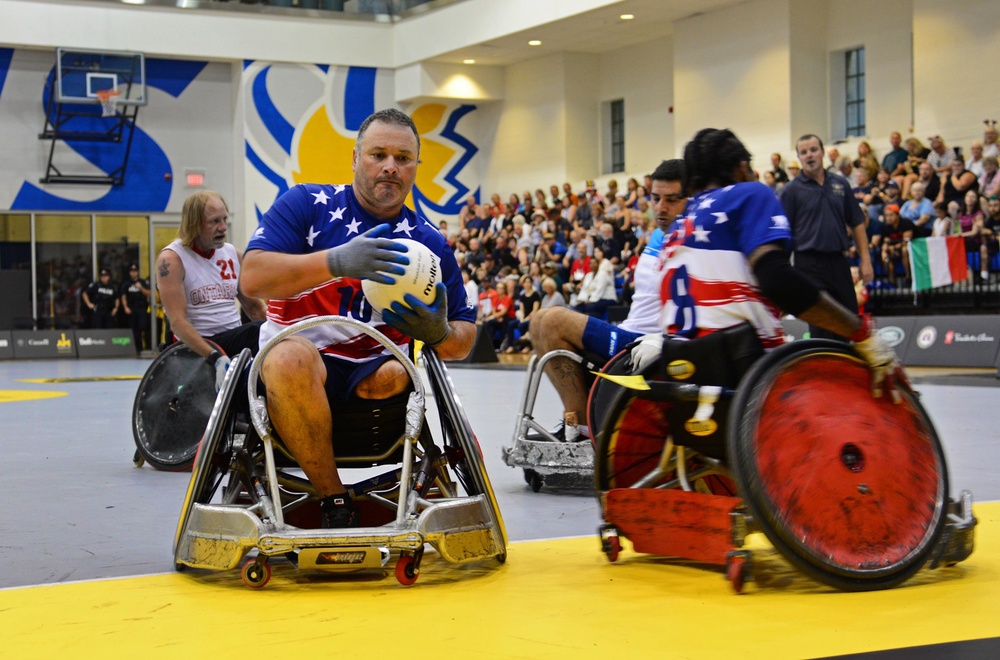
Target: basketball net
[109,100]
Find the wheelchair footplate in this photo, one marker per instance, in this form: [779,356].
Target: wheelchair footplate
[242,506]
[676,523]
[546,459]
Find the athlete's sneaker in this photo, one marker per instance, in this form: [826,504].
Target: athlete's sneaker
[338,512]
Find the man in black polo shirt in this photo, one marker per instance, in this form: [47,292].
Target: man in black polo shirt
[822,212]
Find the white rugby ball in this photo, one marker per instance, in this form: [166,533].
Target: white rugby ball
[421,276]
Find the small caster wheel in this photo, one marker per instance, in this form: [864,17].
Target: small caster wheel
[137,459]
[534,480]
[611,544]
[407,571]
[256,573]
[738,570]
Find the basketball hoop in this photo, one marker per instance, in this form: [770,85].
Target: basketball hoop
[109,100]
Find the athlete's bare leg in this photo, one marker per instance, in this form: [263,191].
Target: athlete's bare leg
[560,328]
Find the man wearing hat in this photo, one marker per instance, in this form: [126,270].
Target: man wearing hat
[135,303]
[102,300]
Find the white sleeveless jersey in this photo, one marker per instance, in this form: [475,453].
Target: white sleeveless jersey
[644,313]
[210,286]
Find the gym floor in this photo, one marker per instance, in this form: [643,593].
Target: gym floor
[86,555]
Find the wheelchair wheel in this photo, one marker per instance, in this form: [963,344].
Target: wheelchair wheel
[602,392]
[850,489]
[633,434]
[213,456]
[460,443]
[172,406]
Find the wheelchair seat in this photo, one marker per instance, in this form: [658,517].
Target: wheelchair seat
[852,490]
[247,495]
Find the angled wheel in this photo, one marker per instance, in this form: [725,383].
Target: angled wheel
[851,489]
[213,455]
[406,570]
[256,573]
[171,408]
[461,447]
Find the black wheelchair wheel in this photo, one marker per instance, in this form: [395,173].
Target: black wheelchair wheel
[850,489]
[213,456]
[171,408]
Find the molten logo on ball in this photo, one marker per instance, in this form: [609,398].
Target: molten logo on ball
[421,276]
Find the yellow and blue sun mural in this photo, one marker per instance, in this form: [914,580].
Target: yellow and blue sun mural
[302,122]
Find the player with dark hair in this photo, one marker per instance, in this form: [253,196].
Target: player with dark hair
[558,328]
[727,263]
[308,257]
[102,300]
[135,303]
[198,275]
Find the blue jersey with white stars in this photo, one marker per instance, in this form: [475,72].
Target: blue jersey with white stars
[313,218]
[708,284]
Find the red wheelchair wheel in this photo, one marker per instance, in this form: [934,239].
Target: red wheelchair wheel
[851,489]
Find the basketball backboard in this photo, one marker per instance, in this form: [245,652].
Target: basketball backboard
[80,74]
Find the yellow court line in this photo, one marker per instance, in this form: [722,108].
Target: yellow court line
[553,599]
[79,379]
[8,396]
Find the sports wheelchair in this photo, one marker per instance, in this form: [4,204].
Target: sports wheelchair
[247,494]
[850,489]
[171,409]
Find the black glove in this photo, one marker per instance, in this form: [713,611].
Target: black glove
[369,256]
[429,324]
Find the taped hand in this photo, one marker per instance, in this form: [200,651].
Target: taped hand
[220,363]
[369,256]
[646,352]
[429,324]
[887,372]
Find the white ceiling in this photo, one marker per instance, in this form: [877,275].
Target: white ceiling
[597,31]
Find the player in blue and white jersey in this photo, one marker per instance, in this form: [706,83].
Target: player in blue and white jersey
[308,257]
[561,328]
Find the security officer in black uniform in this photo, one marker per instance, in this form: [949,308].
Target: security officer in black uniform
[135,303]
[102,299]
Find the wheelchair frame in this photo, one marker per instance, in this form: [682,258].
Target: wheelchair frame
[252,516]
[546,460]
[673,501]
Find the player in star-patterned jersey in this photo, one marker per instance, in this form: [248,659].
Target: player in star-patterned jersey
[308,257]
[727,263]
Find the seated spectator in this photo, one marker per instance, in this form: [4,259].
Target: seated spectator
[911,168]
[552,297]
[974,163]
[793,169]
[931,181]
[862,185]
[989,182]
[941,155]
[468,211]
[990,145]
[860,290]
[894,161]
[597,292]
[844,166]
[866,159]
[540,202]
[528,302]
[943,223]
[896,233]
[957,183]
[877,197]
[610,245]
[479,223]
[471,288]
[919,211]
[488,297]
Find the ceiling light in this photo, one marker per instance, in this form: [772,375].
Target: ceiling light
[534,42]
[627,17]
[468,61]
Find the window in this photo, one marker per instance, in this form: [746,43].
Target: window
[854,78]
[618,136]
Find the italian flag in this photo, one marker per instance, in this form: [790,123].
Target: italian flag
[937,261]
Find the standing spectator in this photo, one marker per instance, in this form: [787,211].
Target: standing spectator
[894,161]
[135,303]
[780,176]
[471,288]
[941,155]
[528,302]
[896,233]
[500,317]
[822,212]
[102,300]
[990,229]
[970,223]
